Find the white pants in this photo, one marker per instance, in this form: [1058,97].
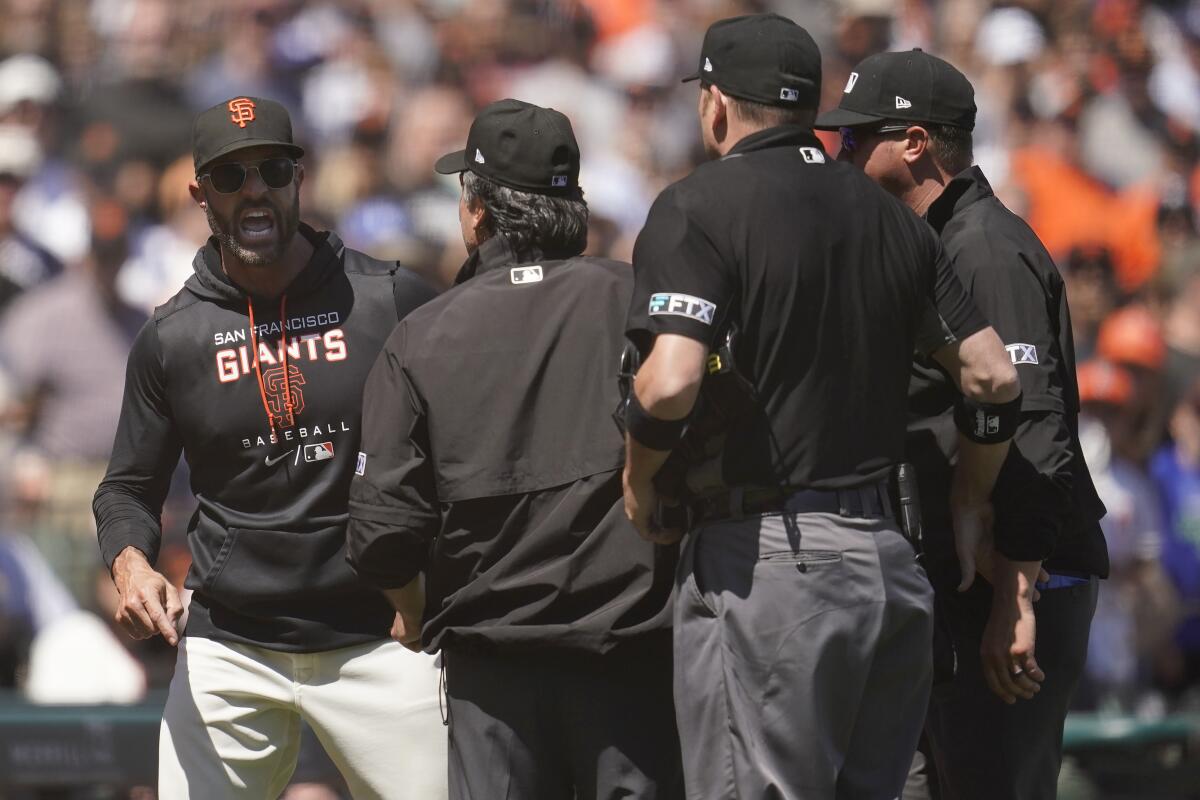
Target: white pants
[231,728]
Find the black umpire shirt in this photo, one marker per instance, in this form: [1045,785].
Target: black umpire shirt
[1046,506]
[826,276]
[492,462]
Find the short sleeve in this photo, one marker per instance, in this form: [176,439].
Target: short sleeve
[951,315]
[682,284]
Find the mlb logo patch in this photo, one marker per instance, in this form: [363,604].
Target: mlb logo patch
[531,274]
[360,466]
[318,452]
[791,95]
[558,181]
[812,155]
[1022,353]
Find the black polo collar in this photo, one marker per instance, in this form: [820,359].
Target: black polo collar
[779,136]
[966,188]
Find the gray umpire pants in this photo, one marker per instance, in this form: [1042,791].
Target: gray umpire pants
[802,658]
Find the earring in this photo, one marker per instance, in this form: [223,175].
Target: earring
[203,204]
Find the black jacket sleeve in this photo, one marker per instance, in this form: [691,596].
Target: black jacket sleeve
[128,503]
[393,501]
[1033,492]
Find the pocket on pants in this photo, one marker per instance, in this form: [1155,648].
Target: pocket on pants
[690,588]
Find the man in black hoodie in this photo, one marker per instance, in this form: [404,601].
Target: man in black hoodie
[491,463]
[254,370]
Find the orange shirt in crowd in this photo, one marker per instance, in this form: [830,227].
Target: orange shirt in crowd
[1067,207]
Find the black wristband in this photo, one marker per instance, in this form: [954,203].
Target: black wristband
[987,423]
[652,432]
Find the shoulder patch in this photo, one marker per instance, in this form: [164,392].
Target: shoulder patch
[1022,353]
[682,305]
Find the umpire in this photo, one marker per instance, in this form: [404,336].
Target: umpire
[802,622]
[906,119]
[491,462]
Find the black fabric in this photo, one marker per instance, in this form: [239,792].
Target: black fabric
[984,749]
[987,423]
[267,539]
[492,462]
[762,57]
[655,433]
[237,124]
[911,85]
[521,146]
[1046,504]
[547,724]
[827,278]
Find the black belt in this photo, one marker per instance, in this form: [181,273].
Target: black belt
[867,501]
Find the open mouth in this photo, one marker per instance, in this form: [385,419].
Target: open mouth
[256,225]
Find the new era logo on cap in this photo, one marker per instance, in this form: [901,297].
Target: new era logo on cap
[707,65]
[791,95]
[853,79]
[902,103]
[479,157]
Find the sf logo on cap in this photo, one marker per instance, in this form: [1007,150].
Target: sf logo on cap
[241,111]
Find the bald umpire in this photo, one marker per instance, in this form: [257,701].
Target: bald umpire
[803,621]
[906,120]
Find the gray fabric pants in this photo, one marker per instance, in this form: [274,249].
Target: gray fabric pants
[802,658]
[983,748]
[556,725]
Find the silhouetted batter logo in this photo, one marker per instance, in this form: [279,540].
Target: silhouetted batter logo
[273,385]
[241,111]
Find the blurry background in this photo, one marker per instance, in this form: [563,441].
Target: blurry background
[1089,115]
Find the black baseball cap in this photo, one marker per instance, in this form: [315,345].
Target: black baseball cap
[765,58]
[239,123]
[909,86]
[521,146]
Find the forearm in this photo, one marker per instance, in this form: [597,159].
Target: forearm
[666,388]
[978,468]
[1013,581]
[408,600]
[126,519]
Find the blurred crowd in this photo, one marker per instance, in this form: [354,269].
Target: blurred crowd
[1089,127]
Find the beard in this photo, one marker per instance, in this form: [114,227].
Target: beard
[287,219]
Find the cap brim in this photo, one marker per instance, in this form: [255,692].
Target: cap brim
[844,118]
[294,150]
[451,163]
[695,76]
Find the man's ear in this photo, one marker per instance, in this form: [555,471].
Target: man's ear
[197,194]
[720,106]
[916,144]
[479,215]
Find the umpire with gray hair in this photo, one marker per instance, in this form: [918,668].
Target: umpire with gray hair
[802,619]
[906,120]
[491,463]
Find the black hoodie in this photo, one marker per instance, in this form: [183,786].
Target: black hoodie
[270,452]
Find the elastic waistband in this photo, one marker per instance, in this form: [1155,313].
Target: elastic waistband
[869,501]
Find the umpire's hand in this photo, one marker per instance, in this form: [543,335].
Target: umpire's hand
[149,603]
[641,501]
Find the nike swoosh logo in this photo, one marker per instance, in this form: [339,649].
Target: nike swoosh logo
[270,462]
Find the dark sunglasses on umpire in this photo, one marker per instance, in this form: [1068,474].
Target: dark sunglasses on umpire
[276,173]
[852,138]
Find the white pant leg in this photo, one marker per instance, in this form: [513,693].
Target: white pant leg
[230,728]
[375,709]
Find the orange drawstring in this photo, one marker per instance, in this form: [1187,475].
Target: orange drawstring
[287,383]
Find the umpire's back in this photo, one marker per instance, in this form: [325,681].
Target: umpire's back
[825,276]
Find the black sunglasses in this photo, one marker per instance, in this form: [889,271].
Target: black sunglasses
[852,138]
[276,173]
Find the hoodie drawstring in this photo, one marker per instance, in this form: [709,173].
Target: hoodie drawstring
[287,382]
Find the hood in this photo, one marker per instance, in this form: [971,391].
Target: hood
[211,283]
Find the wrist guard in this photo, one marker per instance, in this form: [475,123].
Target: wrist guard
[652,432]
[987,423]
